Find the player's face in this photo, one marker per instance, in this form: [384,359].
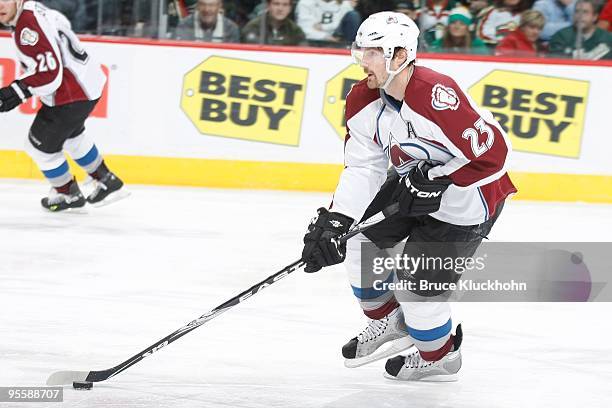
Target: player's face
[372,60]
[8,9]
[208,10]
[279,9]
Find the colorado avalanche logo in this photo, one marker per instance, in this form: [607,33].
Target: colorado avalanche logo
[444,97]
[399,158]
[392,20]
[28,37]
[405,155]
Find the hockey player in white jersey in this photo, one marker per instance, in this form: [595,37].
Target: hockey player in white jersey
[448,173]
[69,82]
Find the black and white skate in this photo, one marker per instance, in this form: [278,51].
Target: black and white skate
[412,367]
[107,190]
[57,201]
[380,339]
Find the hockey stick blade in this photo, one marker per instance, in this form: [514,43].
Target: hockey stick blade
[68,377]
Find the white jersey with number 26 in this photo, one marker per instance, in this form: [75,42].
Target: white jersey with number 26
[58,69]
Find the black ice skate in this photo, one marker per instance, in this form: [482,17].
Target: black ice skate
[107,189]
[60,201]
[412,367]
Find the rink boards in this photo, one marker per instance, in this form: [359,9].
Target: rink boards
[272,118]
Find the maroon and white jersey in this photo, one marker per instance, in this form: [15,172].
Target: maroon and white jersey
[435,121]
[57,67]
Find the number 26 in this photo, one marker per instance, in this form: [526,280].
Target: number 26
[46,62]
[472,135]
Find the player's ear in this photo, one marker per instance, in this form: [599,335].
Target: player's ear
[400,55]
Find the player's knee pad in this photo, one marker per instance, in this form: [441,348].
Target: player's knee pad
[44,160]
[53,125]
[79,145]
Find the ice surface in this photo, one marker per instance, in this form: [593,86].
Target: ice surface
[86,291]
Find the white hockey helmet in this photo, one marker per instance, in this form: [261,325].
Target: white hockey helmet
[387,30]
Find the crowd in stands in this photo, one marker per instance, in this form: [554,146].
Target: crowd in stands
[580,29]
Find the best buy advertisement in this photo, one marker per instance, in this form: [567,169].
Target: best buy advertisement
[246,100]
[542,114]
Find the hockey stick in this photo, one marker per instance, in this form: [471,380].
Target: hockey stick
[69,377]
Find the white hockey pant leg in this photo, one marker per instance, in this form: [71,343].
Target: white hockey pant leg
[429,324]
[373,301]
[53,165]
[83,150]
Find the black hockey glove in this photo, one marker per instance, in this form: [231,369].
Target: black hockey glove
[417,194]
[320,247]
[13,95]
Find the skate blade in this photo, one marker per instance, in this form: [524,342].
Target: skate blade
[74,211]
[113,198]
[386,350]
[434,378]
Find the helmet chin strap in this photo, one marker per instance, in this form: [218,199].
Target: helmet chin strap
[392,74]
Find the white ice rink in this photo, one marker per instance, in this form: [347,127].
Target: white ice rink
[84,292]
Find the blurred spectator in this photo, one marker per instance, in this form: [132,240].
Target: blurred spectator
[476,6]
[558,14]
[500,19]
[144,14]
[279,28]
[178,10]
[407,7]
[457,36]
[208,24]
[320,18]
[583,40]
[523,41]
[433,18]
[605,18]
[243,11]
[347,29]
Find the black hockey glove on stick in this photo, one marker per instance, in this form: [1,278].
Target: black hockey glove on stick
[13,95]
[320,245]
[70,377]
[417,194]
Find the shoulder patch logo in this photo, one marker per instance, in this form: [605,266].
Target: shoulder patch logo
[444,97]
[28,37]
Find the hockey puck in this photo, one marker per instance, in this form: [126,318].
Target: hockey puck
[86,385]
